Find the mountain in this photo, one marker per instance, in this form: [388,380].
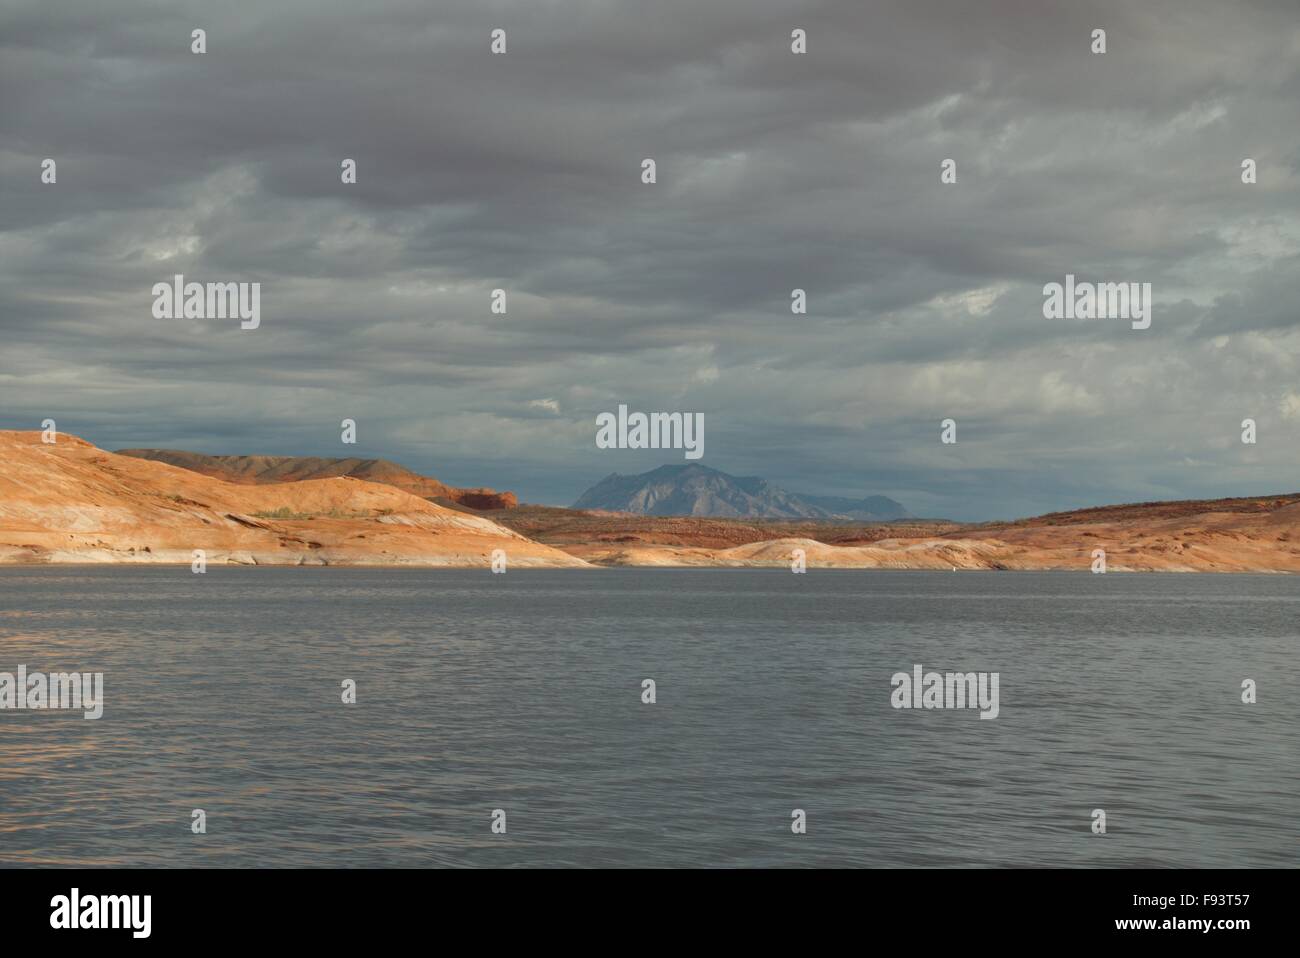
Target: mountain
[695,490]
[259,470]
[870,509]
[69,501]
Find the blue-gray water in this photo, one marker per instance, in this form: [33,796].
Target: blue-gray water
[523,692]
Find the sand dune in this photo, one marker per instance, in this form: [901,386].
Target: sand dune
[73,502]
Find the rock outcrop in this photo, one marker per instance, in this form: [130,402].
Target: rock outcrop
[260,470]
[72,502]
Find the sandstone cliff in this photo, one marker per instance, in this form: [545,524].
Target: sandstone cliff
[72,502]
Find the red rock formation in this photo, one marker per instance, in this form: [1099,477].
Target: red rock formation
[72,502]
[259,470]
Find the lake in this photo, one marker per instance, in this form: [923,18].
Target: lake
[523,692]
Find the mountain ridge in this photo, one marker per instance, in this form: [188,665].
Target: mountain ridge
[260,470]
[698,490]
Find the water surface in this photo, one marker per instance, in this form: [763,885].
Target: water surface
[523,692]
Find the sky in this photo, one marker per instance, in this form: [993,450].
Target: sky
[522,171]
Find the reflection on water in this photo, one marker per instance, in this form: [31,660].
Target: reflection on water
[523,691]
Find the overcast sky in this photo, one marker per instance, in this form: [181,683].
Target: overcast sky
[775,171]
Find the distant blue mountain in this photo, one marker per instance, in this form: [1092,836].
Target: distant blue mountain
[695,490]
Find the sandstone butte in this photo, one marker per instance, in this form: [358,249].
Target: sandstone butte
[73,502]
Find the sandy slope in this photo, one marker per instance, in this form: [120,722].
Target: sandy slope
[1209,538]
[889,554]
[73,502]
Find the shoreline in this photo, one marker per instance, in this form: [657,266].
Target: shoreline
[732,567]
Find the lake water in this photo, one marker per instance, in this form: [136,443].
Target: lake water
[523,692]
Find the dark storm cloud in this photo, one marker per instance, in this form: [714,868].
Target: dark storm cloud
[776,171]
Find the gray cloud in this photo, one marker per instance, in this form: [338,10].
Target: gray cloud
[776,171]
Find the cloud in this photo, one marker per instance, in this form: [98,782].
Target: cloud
[818,171]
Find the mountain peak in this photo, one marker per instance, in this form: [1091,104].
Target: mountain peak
[698,490]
